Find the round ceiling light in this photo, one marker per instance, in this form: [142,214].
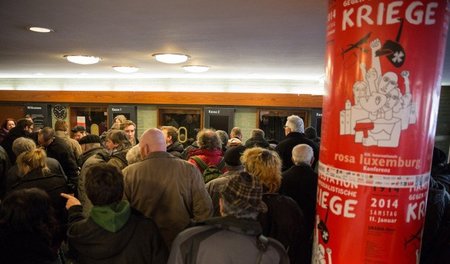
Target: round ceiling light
[125,69]
[82,59]
[196,68]
[41,29]
[171,58]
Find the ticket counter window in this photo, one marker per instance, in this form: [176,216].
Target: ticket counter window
[272,122]
[93,118]
[188,122]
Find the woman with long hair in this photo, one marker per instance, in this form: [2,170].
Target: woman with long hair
[284,219]
[33,166]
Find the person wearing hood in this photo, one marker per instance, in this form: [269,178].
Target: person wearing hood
[113,232]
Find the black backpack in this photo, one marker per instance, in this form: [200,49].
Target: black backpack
[210,172]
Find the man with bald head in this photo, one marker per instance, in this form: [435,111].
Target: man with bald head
[165,188]
[300,183]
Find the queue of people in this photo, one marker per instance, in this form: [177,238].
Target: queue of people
[125,199]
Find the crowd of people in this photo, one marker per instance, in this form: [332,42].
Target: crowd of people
[116,199]
[72,197]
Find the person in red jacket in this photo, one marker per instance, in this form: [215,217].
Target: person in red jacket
[209,151]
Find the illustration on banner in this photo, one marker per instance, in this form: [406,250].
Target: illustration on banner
[380,111]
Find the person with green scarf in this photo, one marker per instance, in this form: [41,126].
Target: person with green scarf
[114,232]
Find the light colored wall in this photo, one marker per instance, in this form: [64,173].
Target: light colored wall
[147,117]
[245,118]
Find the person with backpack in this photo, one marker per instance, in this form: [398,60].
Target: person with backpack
[236,236]
[208,158]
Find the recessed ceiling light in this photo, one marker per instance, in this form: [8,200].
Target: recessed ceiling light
[41,29]
[82,59]
[171,58]
[196,68]
[126,69]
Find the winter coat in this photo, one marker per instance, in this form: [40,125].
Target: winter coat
[114,234]
[53,185]
[284,148]
[226,240]
[13,175]
[86,155]
[169,190]
[97,155]
[73,144]
[300,183]
[175,149]
[210,157]
[284,221]
[59,150]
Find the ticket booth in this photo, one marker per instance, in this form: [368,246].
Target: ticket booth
[219,118]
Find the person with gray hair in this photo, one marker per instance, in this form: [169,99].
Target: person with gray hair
[294,131]
[22,145]
[302,153]
[300,183]
[295,124]
[134,155]
[223,135]
[210,151]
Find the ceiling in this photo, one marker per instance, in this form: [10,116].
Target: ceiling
[251,46]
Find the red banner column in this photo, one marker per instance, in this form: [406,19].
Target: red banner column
[384,63]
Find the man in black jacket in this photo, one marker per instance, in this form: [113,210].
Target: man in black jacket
[294,131]
[58,149]
[300,183]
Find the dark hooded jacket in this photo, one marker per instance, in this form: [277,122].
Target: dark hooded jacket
[175,149]
[114,234]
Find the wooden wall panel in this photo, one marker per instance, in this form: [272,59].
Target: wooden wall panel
[11,111]
[165,98]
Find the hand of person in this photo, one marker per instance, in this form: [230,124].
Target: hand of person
[71,200]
